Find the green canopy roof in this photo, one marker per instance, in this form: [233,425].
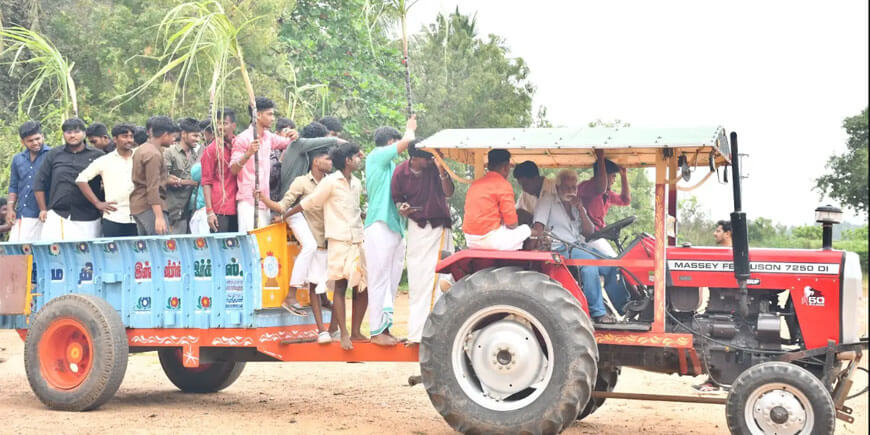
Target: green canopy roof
[575,147]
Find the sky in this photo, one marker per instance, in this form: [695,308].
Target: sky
[783,75]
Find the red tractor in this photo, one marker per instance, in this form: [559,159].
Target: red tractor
[511,347]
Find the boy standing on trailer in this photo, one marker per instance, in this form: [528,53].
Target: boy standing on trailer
[308,228]
[115,169]
[65,212]
[339,193]
[218,182]
[385,249]
[180,158]
[148,200]
[22,212]
[242,165]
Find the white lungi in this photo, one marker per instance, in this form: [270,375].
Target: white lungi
[57,228]
[385,253]
[501,238]
[199,223]
[26,229]
[424,249]
[245,212]
[317,273]
[602,246]
[302,264]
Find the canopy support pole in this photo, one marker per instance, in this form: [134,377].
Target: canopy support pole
[672,198]
[660,235]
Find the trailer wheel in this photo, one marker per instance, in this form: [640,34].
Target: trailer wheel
[606,382]
[207,378]
[508,351]
[75,353]
[778,397]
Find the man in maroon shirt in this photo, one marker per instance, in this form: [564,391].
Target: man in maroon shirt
[420,188]
[218,182]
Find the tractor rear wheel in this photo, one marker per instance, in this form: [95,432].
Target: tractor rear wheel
[508,351]
[778,397]
[606,382]
[75,353]
[207,378]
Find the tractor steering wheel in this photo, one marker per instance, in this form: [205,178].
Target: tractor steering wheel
[611,232]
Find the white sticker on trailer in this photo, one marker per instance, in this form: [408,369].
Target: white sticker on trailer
[756,266]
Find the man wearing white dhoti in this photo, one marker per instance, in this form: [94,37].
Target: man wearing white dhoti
[384,247]
[420,189]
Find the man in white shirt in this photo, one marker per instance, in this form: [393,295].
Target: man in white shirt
[116,169]
[534,186]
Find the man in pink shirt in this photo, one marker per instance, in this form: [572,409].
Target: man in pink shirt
[242,164]
[596,194]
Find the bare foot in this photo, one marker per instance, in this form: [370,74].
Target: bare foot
[358,337]
[346,343]
[383,340]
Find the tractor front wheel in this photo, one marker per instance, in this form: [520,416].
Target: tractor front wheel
[207,378]
[75,353]
[778,397]
[508,351]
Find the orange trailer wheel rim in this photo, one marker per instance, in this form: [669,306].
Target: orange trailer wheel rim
[65,354]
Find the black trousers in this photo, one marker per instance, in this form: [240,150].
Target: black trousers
[227,224]
[114,229]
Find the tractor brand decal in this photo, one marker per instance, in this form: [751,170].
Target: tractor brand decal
[172,270]
[144,304]
[813,297]
[142,272]
[86,275]
[173,303]
[756,266]
[203,303]
[202,269]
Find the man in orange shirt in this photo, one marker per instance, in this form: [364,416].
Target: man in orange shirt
[490,217]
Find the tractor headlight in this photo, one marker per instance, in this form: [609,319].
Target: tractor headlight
[850,318]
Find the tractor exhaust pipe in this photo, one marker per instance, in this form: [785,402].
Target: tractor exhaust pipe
[739,233]
[828,216]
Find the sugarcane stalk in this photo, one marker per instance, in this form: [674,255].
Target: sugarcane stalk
[253,102]
[405,62]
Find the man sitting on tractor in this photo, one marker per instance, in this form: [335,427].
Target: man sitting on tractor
[490,217]
[534,186]
[564,215]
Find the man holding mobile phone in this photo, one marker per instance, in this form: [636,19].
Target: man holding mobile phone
[420,188]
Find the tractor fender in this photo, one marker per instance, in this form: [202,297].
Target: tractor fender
[468,261]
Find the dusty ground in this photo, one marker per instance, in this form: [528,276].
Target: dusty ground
[314,398]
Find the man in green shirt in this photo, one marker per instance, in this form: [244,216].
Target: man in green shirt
[384,247]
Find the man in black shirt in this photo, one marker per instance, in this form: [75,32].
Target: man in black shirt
[66,213]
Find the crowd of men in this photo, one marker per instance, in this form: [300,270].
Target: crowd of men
[192,177]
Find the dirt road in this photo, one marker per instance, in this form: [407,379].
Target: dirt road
[313,398]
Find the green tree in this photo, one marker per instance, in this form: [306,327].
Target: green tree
[465,81]
[331,44]
[846,177]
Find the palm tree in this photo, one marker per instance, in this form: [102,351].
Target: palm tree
[200,36]
[50,72]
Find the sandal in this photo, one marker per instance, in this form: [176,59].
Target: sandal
[292,309]
[706,388]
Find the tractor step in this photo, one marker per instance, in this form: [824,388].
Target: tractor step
[630,326]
